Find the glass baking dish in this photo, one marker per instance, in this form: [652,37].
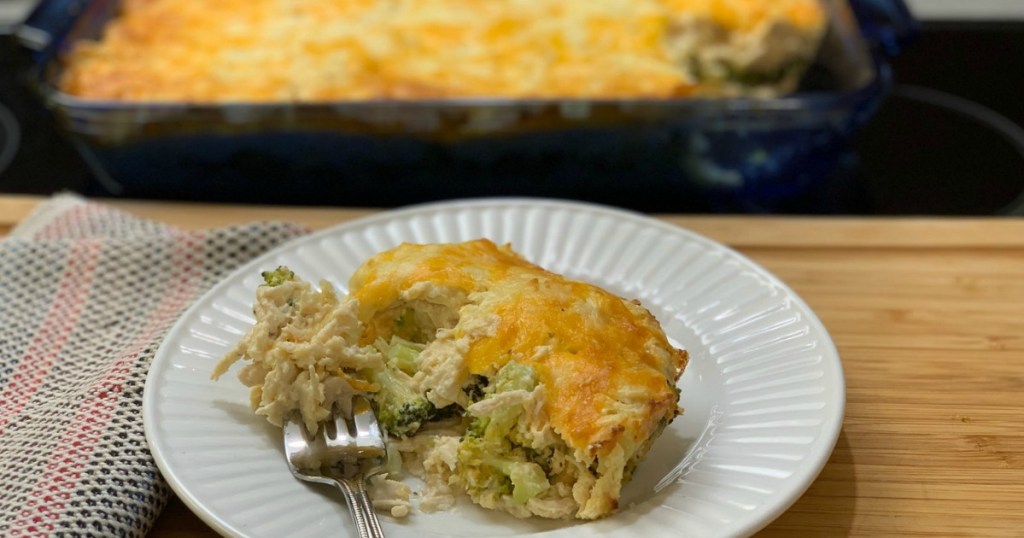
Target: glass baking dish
[732,154]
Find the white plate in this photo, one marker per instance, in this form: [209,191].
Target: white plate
[763,392]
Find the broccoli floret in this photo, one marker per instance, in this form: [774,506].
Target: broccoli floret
[278,276]
[403,355]
[528,479]
[478,427]
[496,465]
[515,376]
[499,423]
[400,409]
[495,469]
[475,387]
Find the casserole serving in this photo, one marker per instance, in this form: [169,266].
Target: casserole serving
[532,393]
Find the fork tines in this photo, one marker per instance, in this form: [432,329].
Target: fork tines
[359,437]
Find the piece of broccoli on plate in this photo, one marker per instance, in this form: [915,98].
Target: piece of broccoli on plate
[401,410]
[278,276]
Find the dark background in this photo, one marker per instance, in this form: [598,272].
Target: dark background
[923,152]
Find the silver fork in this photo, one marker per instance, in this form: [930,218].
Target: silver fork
[344,453]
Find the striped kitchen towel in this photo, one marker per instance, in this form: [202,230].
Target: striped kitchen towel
[86,294]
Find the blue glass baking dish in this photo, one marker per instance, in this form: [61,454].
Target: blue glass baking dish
[730,154]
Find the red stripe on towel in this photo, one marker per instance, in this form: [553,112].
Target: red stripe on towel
[67,224]
[54,331]
[72,452]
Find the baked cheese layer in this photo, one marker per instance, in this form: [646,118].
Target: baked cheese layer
[608,368]
[330,50]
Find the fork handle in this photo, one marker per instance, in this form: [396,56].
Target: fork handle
[360,507]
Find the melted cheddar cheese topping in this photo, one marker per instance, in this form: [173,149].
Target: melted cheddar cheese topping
[325,50]
[608,369]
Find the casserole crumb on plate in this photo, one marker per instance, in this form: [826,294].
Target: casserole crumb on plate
[344,50]
[531,393]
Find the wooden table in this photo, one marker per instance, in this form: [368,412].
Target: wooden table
[928,315]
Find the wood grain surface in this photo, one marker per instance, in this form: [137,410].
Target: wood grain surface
[928,316]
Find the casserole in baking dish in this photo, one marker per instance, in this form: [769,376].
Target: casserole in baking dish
[718,148]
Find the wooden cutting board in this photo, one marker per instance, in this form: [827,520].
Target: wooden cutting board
[928,316]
